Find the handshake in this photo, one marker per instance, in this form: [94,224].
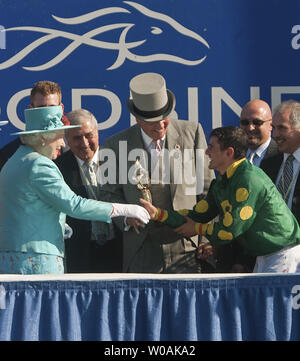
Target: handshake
[130,211]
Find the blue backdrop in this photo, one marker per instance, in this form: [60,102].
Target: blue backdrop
[215,55]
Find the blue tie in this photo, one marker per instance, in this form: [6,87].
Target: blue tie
[252,157]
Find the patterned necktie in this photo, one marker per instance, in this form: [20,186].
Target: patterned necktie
[101,231]
[157,146]
[155,151]
[286,177]
[89,171]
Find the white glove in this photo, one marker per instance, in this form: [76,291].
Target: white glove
[130,210]
[68,231]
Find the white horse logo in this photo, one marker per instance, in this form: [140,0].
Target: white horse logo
[124,48]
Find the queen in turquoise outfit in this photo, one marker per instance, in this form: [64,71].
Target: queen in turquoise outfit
[34,199]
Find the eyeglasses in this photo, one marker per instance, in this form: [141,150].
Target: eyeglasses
[255,122]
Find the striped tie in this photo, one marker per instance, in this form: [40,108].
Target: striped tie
[287,177]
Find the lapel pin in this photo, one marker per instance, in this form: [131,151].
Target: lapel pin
[177,151]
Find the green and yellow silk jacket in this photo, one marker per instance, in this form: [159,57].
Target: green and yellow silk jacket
[248,208]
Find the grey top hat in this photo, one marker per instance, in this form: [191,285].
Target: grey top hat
[150,99]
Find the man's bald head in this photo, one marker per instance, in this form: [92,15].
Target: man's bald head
[256,120]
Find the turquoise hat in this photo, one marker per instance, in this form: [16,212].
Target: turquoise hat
[44,119]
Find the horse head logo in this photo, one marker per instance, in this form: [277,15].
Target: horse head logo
[153,31]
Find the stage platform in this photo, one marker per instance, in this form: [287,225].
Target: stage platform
[148,307]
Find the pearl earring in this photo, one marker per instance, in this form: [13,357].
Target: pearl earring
[43,144]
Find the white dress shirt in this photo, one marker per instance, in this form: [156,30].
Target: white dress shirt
[259,153]
[149,146]
[96,166]
[148,141]
[96,232]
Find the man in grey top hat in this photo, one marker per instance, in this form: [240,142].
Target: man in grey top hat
[160,158]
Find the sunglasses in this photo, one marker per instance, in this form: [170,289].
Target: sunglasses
[255,122]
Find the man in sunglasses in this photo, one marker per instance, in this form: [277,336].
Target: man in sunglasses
[256,120]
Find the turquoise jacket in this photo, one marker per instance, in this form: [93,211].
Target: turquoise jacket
[34,201]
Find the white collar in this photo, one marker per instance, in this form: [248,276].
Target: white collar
[296,154]
[94,159]
[148,140]
[260,149]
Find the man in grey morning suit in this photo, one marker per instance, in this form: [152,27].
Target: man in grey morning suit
[156,248]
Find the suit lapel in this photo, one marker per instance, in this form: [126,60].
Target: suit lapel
[135,150]
[135,141]
[72,174]
[271,166]
[272,150]
[174,143]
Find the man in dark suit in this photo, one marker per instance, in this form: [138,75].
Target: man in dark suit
[87,250]
[286,132]
[256,120]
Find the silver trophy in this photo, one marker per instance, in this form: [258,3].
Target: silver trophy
[143,181]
